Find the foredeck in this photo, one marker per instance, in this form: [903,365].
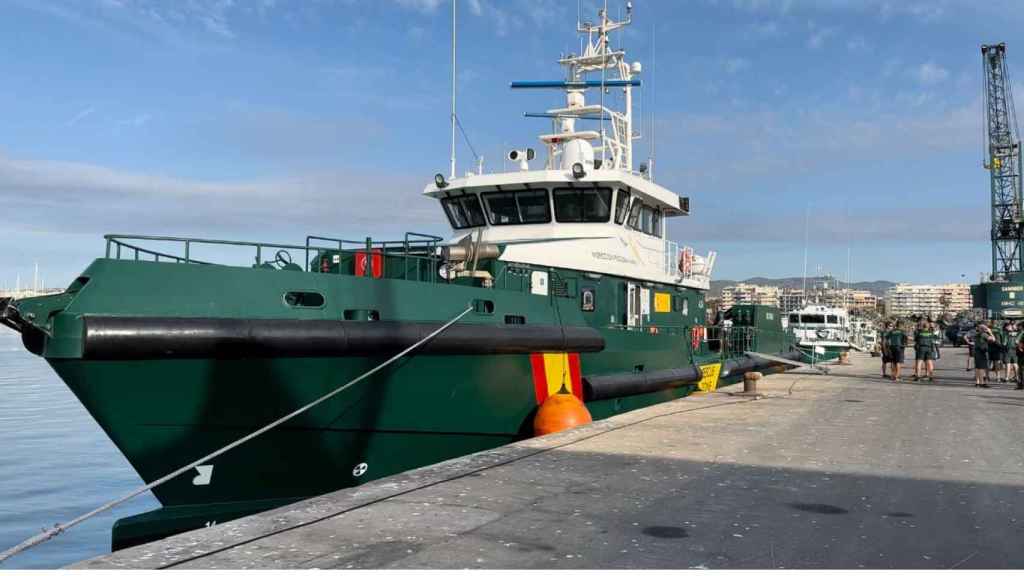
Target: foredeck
[414,257]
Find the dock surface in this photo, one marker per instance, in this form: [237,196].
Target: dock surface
[844,470]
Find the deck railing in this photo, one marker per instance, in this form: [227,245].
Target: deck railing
[735,341]
[419,249]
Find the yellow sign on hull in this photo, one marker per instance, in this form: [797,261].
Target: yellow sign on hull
[709,377]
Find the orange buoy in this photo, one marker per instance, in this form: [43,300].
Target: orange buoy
[560,412]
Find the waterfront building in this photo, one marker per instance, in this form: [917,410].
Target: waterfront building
[750,294]
[852,300]
[791,299]
[927,299]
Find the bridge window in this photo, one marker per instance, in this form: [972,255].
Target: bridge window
[518,207]
[621,206]
[812,319]
[645,219]
[650,221]
[583,204]
[634,215]
[464,211]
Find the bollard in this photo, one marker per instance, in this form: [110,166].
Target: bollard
[750,382]
[844,358]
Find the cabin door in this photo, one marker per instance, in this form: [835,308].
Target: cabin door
[632,305]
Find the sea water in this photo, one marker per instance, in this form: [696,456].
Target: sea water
[55,463]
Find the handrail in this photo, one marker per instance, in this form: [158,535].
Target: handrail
[157,255]
[117,242]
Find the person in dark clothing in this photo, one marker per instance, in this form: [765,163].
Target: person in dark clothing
[918,339]
[897,341]
[983,339]
[925,343]
[995,352]
[885,349]
[1019,345]
[1010,347]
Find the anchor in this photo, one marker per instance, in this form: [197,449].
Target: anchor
[9,315]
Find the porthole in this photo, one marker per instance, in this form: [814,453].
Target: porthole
[304,299]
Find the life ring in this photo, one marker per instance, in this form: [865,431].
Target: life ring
[696,335]
[822,333]
[685,262]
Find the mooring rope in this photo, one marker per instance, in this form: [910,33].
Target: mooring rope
[57,529]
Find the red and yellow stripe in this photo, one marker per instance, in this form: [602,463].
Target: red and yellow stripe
[551,370]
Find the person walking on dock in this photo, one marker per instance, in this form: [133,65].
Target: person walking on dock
[925,343]
[996,351]
[983,338]
[896,341]
[918,349]
[886,360]
[1010,345]
[1018,348]
[969,338]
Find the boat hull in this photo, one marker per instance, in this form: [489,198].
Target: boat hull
[822,351]
[163,414]
[175,361]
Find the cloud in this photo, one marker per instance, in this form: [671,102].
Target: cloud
[772,145]
[736,65]
[71,197]
[819,36]
[421,5]
[138,120]
[950,223]
[925,11]
[769,29]
[857,44]
[82,115]
[930,73]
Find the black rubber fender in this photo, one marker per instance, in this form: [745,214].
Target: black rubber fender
[132,338]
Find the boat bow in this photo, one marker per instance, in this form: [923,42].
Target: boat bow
[9,315]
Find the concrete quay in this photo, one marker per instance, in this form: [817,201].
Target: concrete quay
[844,470]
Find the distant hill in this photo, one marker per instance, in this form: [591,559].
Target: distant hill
[877,287]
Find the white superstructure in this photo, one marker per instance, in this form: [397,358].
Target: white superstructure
[817,325]
[586,207]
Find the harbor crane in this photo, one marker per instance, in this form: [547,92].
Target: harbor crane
[1002,294]
[1003,161]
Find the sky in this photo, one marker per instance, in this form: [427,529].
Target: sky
[273,119]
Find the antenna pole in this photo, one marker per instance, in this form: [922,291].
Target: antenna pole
[452,167]
[807,217]
[653,100]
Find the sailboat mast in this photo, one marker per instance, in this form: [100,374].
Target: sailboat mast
[452,167]
[807,216]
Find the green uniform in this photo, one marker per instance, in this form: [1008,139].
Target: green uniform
[1012,338]
[995,347]
[924,344]
[981,347]
[896,341]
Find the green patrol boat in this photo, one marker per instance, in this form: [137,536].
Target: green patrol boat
[572,286]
